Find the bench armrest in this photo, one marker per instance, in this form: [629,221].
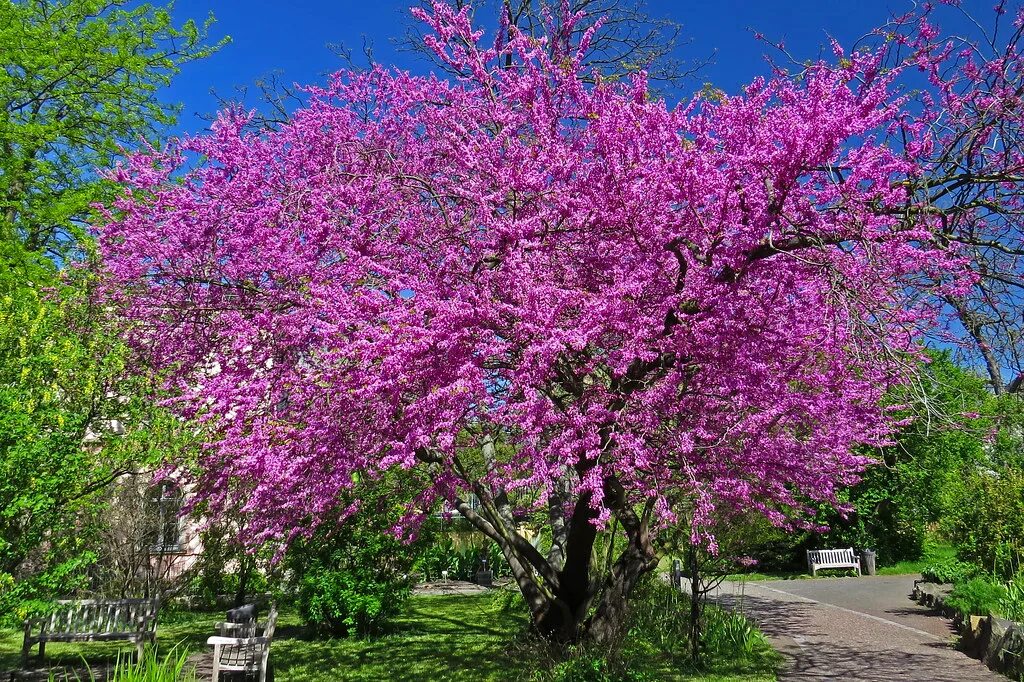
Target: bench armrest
[217,640]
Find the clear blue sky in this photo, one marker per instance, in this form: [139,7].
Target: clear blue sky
[292,38]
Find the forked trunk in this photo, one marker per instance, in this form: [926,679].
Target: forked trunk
[582,608]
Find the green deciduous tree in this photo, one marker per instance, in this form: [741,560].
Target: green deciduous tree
[952,420]
[73,420]
[80,82]
[80,79]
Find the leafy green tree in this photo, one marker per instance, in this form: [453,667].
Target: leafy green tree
[73,419]
[950,412]
[80,80]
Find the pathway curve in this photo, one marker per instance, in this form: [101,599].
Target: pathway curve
[855,629]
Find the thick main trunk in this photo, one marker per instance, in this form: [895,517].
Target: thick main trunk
[582,608]
[566,602]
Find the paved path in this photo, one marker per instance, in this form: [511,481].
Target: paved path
[855,629]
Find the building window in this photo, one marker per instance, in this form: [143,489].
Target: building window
[166,509]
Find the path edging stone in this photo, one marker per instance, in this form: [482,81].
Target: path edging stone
[998,643]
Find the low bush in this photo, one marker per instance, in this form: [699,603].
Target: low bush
[351,578]
[343,602]
[951,571]
[977,597]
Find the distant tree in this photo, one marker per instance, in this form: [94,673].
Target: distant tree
[951,416]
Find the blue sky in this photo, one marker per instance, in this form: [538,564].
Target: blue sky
[292,38]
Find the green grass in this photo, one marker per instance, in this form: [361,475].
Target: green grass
[935,551]
[452,637]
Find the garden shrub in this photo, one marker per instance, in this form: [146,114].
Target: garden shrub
[977,597]
[986,520]
[353,600]
[353,577]
[948,572]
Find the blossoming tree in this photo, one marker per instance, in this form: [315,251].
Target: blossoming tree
[560,297]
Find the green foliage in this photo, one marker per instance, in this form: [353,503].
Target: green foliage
[80,80]
[150,668]
[589,665]
[660,617]
[977,597]
[1012,605]
[509,599]
[350,601]
[949,572]
[354,577]
[908,489]
[986,519]
[226,568]
[462,556]
[65,382]
[450,637]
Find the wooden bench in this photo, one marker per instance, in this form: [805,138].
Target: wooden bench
[244,651]
[132,620]
[832,558]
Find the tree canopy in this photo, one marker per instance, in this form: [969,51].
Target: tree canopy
[647,308]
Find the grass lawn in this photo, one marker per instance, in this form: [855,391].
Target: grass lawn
[452,637]
[935,552]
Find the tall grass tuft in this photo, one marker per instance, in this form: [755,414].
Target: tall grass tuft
[150,668]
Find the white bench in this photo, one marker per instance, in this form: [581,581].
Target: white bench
[832,558]
[244,652]
[89,620]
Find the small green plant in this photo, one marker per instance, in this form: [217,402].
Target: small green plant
[509,599]
[951,571]
[977,597]
[150,668]
[729,635]
[1012,605]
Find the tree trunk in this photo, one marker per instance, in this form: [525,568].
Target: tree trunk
[563,615]
[695,603]
[245,569]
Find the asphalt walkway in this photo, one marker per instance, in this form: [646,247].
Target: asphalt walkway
[855,629]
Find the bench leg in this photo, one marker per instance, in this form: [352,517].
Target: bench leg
[42,650]
[140,648]
[26,650]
